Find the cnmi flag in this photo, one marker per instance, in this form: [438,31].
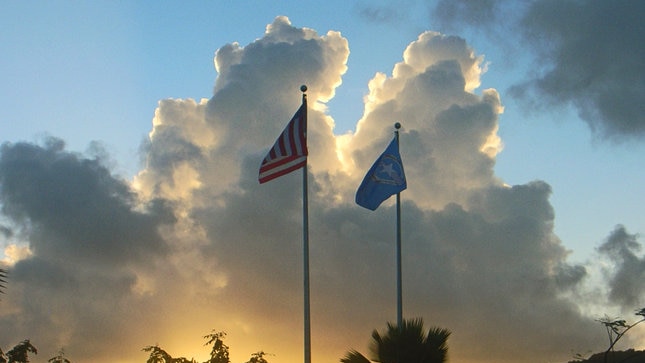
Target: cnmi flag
[290,149]
[385,178]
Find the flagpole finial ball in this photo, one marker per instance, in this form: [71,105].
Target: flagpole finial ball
[397,125]
[303,88]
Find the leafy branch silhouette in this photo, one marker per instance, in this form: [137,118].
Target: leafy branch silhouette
[617,328]
[219,352]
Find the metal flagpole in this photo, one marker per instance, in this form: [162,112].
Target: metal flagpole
[399,288]
[305,237]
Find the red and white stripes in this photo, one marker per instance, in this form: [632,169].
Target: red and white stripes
[289,152]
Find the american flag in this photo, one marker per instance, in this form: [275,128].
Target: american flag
[289,152]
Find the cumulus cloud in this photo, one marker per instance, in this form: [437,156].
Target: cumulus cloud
[628,270]
[89,239]
[587,55]
[194,243]
[61,200]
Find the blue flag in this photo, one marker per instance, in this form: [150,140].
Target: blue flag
[385,178]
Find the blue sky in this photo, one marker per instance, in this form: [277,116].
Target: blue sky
[89,72]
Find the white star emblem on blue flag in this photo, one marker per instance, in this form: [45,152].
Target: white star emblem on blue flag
[385,178]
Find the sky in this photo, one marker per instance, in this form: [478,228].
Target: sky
[132,134]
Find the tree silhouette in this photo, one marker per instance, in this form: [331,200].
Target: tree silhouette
[258,357]
[219,353]
[60,358]
[624,356]
[158,355]
[19,353]
[617,328]
[407,343]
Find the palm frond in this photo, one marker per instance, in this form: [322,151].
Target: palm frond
[409,342]
[354,356]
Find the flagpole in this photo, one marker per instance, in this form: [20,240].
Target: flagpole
[399,283]
[305,238]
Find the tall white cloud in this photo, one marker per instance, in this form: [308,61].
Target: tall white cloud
[216,250]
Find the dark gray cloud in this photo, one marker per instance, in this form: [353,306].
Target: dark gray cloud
[386,13]
[6,231]
[628,269]
[480,13]
[72,207]
[596,54]
[587,54]
[87,234]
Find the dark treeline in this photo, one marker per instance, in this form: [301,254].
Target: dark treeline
[626,356]
[408,343]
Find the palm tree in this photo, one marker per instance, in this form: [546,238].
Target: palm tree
[407,343]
